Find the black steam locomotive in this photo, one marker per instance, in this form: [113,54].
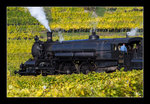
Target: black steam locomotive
[83,56]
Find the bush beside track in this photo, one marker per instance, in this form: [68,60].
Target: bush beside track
[116,84]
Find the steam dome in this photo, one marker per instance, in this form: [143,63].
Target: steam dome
[93,36]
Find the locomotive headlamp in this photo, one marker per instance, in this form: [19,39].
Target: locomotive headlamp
[36,38]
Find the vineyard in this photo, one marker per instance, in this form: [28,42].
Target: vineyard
[21,24]
[117,84]
[75,23]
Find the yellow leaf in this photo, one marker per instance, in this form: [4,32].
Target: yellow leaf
[82,92]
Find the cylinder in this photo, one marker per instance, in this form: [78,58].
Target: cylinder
[49,37]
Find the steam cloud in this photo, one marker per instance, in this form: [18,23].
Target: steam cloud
[94,23]
[60,37]
[38,13]
[132,32]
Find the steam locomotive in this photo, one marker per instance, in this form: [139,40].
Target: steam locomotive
[82,56]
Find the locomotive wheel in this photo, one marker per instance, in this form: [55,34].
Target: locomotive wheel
[67,67]
[86,67]
[43,73]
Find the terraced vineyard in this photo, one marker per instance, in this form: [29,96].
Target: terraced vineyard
[21,24]
[76,24]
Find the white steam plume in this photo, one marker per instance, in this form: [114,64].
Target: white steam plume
[60,37]
[94,23]
[132,32]
[38,13]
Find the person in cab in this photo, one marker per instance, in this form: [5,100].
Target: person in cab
[123,48]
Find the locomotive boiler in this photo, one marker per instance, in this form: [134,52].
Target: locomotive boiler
[82,56]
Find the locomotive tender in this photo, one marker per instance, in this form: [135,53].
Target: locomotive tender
[82,56]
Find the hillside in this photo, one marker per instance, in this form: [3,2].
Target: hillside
[21,24]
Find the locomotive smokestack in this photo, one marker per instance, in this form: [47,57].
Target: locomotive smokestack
[49,37]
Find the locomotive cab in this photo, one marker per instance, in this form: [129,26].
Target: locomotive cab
[132,59]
